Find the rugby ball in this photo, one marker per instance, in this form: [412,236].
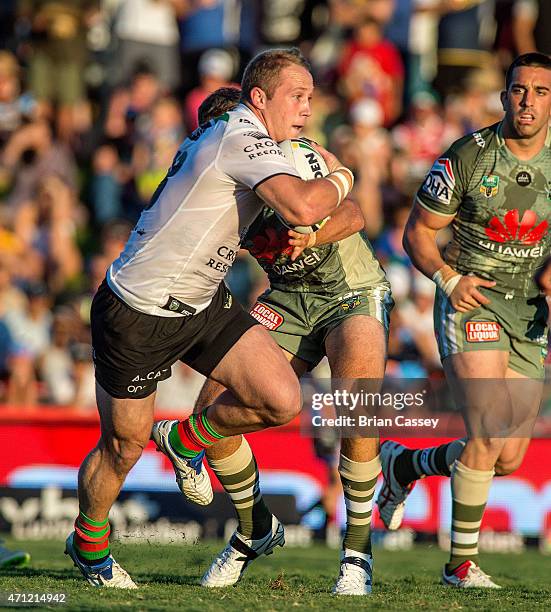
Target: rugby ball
[310,165]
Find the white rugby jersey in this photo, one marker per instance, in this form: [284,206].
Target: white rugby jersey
[186,240]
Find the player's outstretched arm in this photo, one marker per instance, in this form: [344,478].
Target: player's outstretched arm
[420,244]
[345,221]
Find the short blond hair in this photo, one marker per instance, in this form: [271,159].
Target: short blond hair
[264,69]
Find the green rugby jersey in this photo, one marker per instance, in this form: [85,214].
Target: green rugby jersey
[327,268]
[501,207]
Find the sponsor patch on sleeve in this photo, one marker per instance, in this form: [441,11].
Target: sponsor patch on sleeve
[482,331]
[266,316]
[440,181]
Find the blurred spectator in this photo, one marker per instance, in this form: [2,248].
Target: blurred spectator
[15,108]
[59,54]
[371,66]
[464,42]
[504,44]
[129,120]
[48,225]
[31,154]
[215,70]
[208,24]
[403,356]
[147,33]
[66,368]
[29,331]
[417,316]
[368,153]
[532,25]
[389,244]
[106,185]
[425,134]
[155,148]
[12,299]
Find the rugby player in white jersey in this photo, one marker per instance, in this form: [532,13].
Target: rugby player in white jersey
[331,300]
[164,298]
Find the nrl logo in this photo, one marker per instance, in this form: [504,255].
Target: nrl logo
[490,186]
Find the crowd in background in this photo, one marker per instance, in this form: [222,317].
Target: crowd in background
[96,96]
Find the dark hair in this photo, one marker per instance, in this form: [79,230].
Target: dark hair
[263,70]
[219,102]
[536,60]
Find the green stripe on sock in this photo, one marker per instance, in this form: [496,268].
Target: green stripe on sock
[177,446]
[92,556]
[95,535]
[91,521]
[209,427]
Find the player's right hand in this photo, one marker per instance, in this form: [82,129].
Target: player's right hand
[466,295]
[331,160]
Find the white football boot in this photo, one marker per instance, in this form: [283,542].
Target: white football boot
[193,480]
[392,495]
[229,565]
[108,574]
[468,576]
[356,574]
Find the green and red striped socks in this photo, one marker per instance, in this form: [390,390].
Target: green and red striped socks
[188,438]
[91,539]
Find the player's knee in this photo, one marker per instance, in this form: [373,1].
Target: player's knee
[283,406]
[124,454]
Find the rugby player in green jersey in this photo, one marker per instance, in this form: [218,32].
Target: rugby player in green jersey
[494,188]
[327,290]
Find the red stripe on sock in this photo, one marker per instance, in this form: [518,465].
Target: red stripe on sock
[188,438]
[89,547]
[86,538]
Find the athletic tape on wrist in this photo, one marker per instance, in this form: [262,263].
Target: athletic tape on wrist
[447,286]
[343,180]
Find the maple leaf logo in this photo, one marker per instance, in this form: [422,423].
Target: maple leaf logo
[269,245]
[513,228]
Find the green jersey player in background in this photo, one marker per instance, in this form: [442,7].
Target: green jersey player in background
[330,298]
[494,188]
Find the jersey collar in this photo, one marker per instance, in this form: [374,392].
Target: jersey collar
[243,109]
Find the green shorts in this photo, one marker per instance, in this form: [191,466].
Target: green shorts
[516,325]
[300,322]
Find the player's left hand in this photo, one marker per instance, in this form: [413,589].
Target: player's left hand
[299,242]
[542,277]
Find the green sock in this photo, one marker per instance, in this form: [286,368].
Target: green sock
[358,483]
[470,490]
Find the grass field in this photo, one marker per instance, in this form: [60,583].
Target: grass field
[290,579]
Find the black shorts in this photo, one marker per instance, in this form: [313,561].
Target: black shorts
[133,351]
